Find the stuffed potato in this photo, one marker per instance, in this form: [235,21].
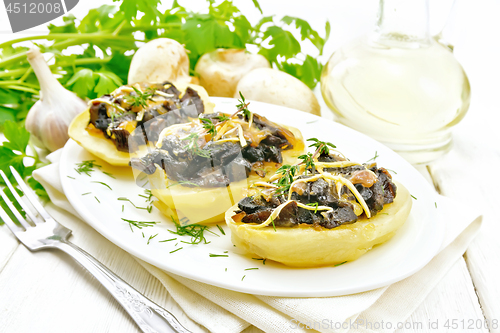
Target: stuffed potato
[200,169]
[105,127]
[332,211]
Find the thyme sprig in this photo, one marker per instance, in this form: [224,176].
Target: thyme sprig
[140,99]
[289,172]
[209,126]
[243,108]
[193,147]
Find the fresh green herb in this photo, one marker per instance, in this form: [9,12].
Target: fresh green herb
[258,258]
[249,269]
[86,193]
[167,240]
[243,108]
[322,147]
[108,36]
[272,221]
[312,122]
[193,147]
[285,181]
[183,182]
[226,269]
[149,208]
[139,99]
[264,261]
[176,250]
[211,255]
[143,235]
[226,251]
[108,174]
[435,204]
[97,199]
[413,197]
[71,177]
[340,264]
[374,157]
[243,277]
[391,171]
[222,118]
[86,167]
[102,183]
[151,237]
[315,205]
[221,230]
[209,126]
[308,160]
[123,208]
[139,224]
[196,231]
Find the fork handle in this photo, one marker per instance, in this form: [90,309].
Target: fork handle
[149,316]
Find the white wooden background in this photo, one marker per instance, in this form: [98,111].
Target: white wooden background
[48,292]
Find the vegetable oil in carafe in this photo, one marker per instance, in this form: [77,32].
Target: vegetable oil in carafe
[406,93]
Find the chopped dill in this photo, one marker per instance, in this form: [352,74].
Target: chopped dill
[71,177]
[249,269]
[243,277]
[436,204]
[139,224]
[97,199]
[211,255]
[86,193]
[272,221]
[315,205]
[258,258]
[193,147]
[102,183]
[374,157]
[143,234]
[108,174]
[86,167]
[413,196]
[264,261]
[221,230]
[391,171]
[123,208]
[196,231]
[312,122]
[167,240]
[182,182]
[226,269]
[340,264]
[176,250]
[151,237]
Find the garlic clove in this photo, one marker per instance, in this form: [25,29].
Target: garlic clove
[49,118]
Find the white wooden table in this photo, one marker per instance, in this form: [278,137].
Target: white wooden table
[48,292]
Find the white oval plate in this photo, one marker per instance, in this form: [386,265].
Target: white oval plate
[409,250]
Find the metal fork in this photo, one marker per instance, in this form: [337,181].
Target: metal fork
[47,233]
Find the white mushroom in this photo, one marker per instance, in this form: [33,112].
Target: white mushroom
[276,87]
[160,60]
[221,69]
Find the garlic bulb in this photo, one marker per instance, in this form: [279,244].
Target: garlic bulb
[49,118]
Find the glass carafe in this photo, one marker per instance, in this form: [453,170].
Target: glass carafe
[398,84]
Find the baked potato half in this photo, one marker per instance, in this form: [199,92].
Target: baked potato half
[308,246]
[103,129]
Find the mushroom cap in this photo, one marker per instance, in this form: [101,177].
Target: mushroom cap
[277,87]
[162,59]
[220,70]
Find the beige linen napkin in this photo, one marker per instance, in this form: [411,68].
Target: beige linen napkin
[221,310]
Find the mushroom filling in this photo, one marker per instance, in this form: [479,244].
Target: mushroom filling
[322,197]
[217,149]
[117,115]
